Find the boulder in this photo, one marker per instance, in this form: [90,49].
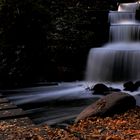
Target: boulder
[103,89]
[114,103]
[130,86]
[100,89]
[137,84]
[111,89]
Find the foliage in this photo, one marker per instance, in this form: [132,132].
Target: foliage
[49,39]
[23,29]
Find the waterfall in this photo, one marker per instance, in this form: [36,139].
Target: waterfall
[119,59]
[126,11]
[114,62]
[115,17]
[125,31]
[123,25]
[124,7]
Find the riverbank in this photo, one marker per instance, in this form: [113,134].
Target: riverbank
[125,126]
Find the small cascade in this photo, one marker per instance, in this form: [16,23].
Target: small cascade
[115,16]
[114,62]
[118,60]
[127,7]
[126,11]
[125,31]
[123,25]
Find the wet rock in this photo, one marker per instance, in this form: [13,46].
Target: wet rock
[61,126]
[103,89]
[130,86]
[111,89]
[100,89]
[137,83]
[114,103]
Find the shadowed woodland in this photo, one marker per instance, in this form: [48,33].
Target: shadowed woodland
[49,40]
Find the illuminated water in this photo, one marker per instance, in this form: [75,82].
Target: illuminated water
[119,59]
[53,104]
[114,62]
[125,31]
[126,11]
[115,17]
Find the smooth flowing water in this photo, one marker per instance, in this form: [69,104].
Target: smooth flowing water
[114,62]
[119,59]
[126,11]
[53,104]
[125,31]
[115,16]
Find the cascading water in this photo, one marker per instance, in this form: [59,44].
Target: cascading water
[114,16]
[124,31]
[114,62]
[126,11]
[60,103]
[118,60]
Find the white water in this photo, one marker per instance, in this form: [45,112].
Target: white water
[114,62]
[125,31]
[76,92]
[124,27]
[126,11]
[115,17]
[118,60]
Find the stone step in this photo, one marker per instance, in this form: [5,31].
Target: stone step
[12,113]
[18,121]
[5,106]
[1,95]
[3,100]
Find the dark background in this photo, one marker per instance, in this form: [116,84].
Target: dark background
[49,40]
